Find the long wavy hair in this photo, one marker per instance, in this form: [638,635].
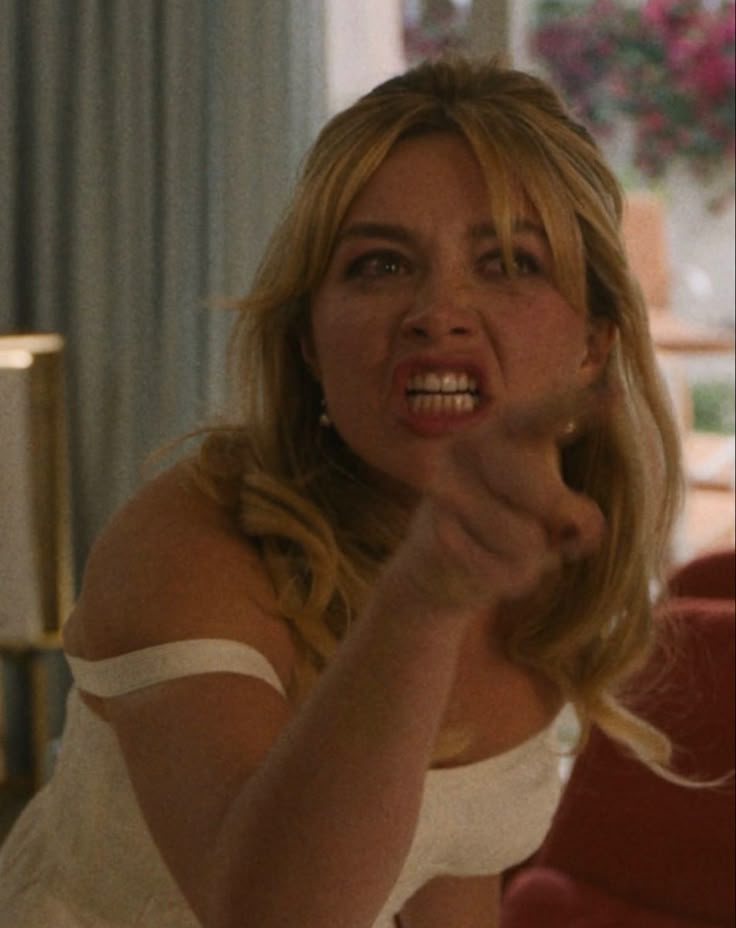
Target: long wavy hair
[325,523]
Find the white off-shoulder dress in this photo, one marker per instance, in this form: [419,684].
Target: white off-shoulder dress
[81,855]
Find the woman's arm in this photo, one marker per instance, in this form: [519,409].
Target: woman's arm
[306,818]
[467,902]
[293,818]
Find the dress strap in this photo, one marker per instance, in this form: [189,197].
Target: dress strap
[115,676]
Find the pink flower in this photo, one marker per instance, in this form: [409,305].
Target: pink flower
[655,12]
[668,67]
[714,76]
[654,121]
[723,30]
[682,50]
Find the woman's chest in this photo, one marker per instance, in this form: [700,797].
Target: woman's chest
[495,705]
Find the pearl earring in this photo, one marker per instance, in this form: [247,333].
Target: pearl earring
[324,418]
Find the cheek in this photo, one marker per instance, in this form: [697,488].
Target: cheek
[344,351]
[547,342]
[347,340]
[331,339]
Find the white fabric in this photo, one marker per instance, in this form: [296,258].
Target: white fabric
[81,855]
[134,671]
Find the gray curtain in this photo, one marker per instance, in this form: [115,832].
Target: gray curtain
[145,148]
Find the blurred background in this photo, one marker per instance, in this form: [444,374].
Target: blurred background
[146,150]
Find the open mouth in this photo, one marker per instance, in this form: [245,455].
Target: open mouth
[442,392]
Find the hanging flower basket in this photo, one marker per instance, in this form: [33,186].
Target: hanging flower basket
[665,67]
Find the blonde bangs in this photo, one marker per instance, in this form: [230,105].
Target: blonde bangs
[516,182]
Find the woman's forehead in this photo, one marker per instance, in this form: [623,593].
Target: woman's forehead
[439,166]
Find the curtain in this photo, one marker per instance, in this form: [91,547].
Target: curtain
[145,151]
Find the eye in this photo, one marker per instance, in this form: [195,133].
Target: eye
[525,264]
[375,265]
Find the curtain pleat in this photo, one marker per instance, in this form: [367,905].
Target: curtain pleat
[145,152]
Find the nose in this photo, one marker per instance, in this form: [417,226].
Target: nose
[440,312]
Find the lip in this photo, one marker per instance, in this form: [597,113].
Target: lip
[432,424]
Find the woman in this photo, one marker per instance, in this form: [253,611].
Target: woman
[318,668]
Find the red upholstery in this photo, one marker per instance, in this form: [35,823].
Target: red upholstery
[624,837]
[548,898]
[712,575]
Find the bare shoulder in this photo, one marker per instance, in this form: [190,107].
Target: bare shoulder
[171,565]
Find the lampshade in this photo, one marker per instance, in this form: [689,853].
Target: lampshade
[36,586]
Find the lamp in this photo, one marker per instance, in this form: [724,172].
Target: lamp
[35,534]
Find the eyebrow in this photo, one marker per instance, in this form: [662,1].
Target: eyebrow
[397,233]
[488,229]
[392,231]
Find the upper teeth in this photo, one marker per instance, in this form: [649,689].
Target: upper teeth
[442,382]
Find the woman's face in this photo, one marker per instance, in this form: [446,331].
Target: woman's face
[418,332]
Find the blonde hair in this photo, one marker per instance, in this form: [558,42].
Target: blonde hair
[325,523]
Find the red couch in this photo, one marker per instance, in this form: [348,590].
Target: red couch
[628,849]
[710,576]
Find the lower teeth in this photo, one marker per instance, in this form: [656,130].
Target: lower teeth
[442,402]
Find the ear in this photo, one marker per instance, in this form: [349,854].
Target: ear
[306,344]
[600,336]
